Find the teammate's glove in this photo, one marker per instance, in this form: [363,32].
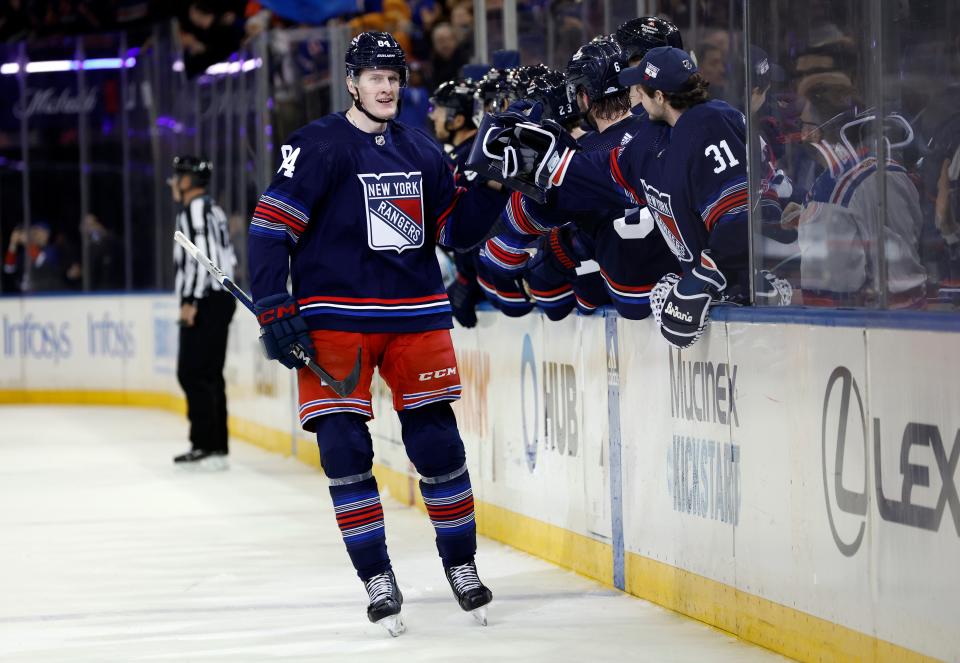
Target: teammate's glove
[282,328]
[686,307]
[773,290]
[539,154]
[559,253]
[464,295]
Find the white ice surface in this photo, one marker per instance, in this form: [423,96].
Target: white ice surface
[109,553]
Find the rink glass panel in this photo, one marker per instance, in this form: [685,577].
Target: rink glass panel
[58,185]
[12,167]
[853,200]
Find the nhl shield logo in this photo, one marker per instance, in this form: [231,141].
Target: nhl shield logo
[394,203]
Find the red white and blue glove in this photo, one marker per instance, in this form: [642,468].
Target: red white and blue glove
[283,333]
[686,306]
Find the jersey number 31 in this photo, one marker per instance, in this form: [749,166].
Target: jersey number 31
[722,165]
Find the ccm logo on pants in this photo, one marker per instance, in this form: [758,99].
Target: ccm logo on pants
[442,373]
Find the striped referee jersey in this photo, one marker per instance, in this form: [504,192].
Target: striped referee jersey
[205,224]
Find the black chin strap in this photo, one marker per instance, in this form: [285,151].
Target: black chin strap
[374,118]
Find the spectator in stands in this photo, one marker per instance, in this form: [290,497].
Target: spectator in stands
[210,30]
[461,19]
[448,54]
[570,31]
[424,15]
[712,62]
[32,262]
[395,18]
[415,98]
[836,225]
[104,257]
[13,21]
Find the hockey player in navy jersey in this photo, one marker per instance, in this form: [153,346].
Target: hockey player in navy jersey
[694,183]
[352,217]
[696,189]
[600,257]
[454,121]
[451,111]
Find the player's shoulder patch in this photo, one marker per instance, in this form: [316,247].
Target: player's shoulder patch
[308,143]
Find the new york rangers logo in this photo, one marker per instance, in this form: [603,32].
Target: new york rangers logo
[659,205]
[394,210]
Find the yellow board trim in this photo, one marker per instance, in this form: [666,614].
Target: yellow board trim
[156,399]
[777,627]
[783,629]
[586,556]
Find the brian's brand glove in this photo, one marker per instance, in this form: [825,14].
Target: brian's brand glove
[686,307]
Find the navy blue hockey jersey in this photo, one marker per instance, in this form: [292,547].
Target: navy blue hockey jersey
[694,182]
[524,220]
[353,218]
[630,259]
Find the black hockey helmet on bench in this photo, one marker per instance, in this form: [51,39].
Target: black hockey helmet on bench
[550,90]
[489,96]
[375,50]
[456,97]
[595,68]
[639,35]
[198,168]
[519,78]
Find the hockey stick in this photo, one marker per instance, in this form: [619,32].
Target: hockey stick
[343,388]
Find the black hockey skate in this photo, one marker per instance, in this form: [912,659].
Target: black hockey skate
[197,458]
[472,595]
[385,602]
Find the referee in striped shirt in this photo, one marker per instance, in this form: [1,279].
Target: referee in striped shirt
[205,313]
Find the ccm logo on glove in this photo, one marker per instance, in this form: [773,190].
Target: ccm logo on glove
[277,313]
[442,373]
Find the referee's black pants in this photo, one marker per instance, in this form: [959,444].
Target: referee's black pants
[203,350]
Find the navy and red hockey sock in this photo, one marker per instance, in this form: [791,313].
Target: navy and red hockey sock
[449,502]
[360,518]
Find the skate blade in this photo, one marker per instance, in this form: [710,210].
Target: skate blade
[214,464]
[394,624]
[480,614]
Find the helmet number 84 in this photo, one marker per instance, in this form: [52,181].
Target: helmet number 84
[383,43]
[722,164]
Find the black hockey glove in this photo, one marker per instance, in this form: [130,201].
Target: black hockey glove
[686,307]
[559,253]
[282,330]
[464,295]
[497,130]
[773,290]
